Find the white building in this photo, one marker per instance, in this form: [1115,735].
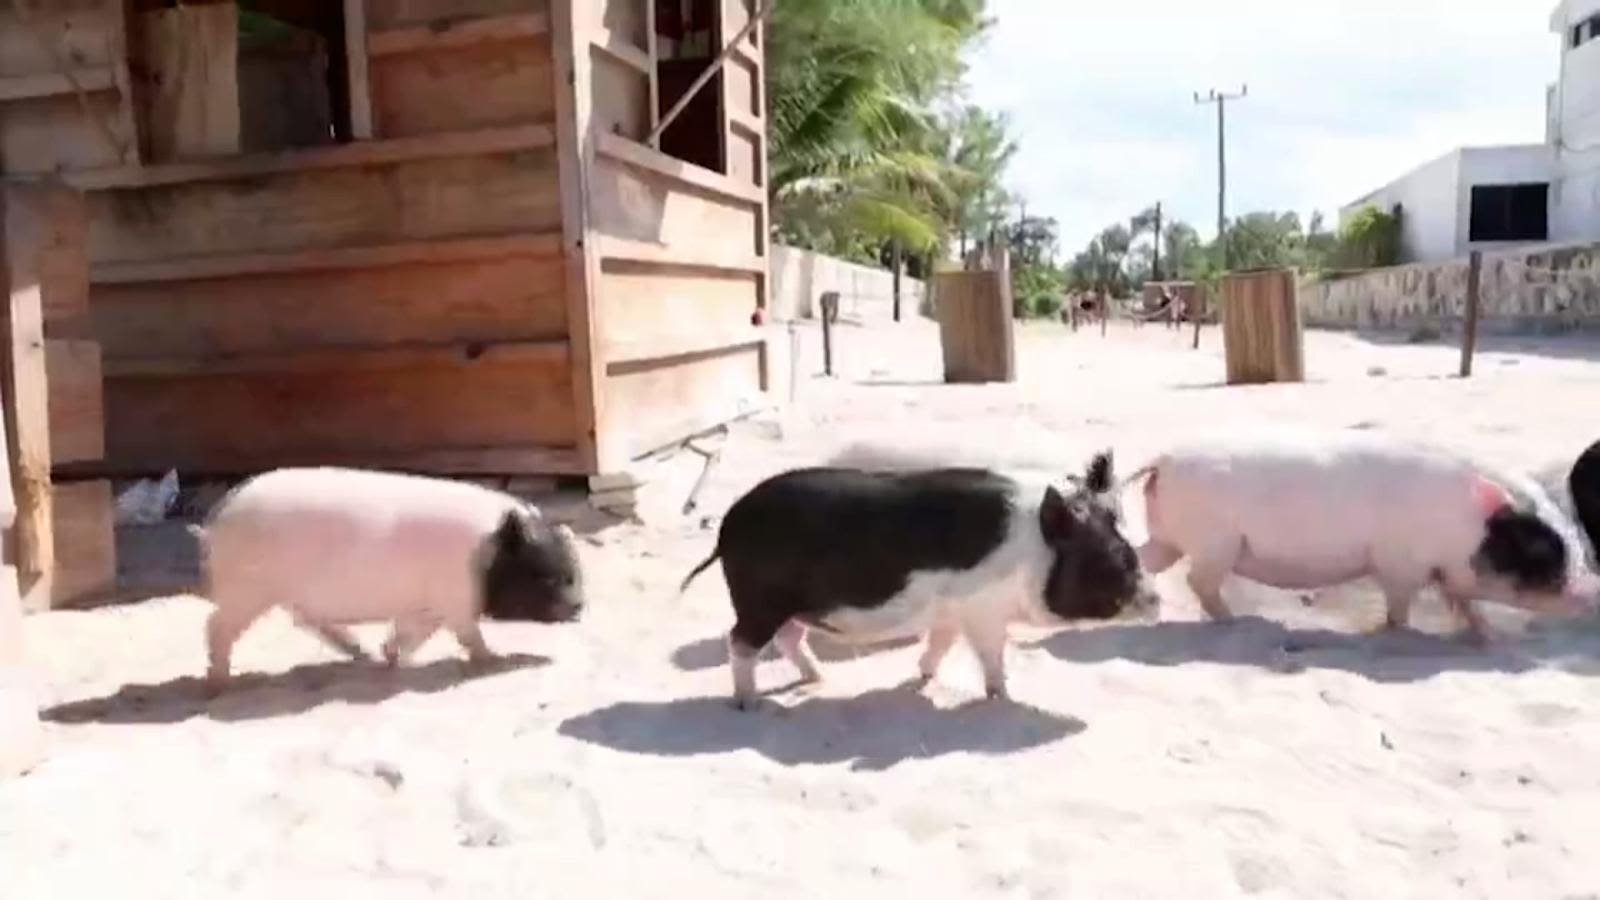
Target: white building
[1485,198]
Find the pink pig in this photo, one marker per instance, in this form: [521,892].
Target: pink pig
[1301,509]
[336,547]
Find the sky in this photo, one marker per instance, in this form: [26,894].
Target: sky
[1345,96]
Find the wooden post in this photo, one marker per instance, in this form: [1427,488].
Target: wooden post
[21,736]
[357,67]
[1262,337]
[1199,312]
[830,315]
[975,327]
[24,242]
[894,257]
[1105,313]
[1469,335]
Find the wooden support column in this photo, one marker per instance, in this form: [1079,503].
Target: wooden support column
[355,50]
[25,239]
[575,154]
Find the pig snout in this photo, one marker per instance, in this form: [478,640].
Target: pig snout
[1582,594]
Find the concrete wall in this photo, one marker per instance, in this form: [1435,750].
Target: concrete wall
[1430,200]
[1578,83]
[1520,294]
[866,294]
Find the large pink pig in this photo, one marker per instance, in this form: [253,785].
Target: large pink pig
[1301,509]
[336,547]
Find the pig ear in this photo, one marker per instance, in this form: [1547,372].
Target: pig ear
[511,532]
[1489,497]
[1100,477]
[1055,517]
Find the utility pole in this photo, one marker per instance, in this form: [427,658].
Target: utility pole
[1221,98]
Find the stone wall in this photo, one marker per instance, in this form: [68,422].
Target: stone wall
[866,294]
[1548,290]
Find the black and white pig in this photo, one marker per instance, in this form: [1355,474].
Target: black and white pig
[1301,509]
[1583,486]
[336,547]
[868,556]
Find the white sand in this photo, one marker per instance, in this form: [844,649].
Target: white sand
[1277,757]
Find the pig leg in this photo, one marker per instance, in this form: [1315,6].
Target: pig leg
[941,637]
[337,637]
[1208,569]
[407,635]
[223,629]
[742,659]
[471,637]
[755,626]
[1398,594]
[988,639]
[1458,588]
[791,643]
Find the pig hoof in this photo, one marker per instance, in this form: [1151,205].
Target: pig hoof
[215,686]
[743,704]
[997,693]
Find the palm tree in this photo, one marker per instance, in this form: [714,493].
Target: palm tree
[858,152]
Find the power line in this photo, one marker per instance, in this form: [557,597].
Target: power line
[1221,98]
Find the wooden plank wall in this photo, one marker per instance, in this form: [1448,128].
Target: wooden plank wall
[396,302]
[681,250]
[43,125]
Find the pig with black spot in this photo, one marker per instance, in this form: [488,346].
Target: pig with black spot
[869,555]
[336,547]
[1301,509]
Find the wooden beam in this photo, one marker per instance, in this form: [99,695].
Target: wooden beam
[625,150]
[623,50]
[669,346]
[742,121]
[457,34]
[665,255]
[652,51]
[439,251]
[344,359]
[24,379]
[747,55]
[756,18]
[514,460]
[51,84]
[366,153]
[117,13]
[69,72]
[359,69]
[575,160]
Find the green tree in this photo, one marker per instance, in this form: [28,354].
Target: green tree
[1262,240]
[1185,252]
[860,155]
[1369,239]
[980,149]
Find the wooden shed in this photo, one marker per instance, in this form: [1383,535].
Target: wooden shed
[445,236]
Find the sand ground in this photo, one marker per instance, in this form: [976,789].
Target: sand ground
[1285,755]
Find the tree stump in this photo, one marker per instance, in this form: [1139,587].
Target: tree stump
[975,330]
[1262,335]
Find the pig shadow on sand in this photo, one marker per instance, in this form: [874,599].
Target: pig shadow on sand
[873,731]
[262,696]
[1388,658]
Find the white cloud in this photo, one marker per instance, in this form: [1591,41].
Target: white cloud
[1345,95]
